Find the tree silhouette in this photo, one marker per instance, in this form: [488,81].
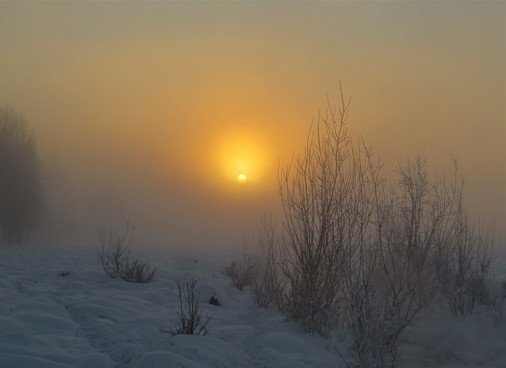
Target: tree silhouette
[21,194]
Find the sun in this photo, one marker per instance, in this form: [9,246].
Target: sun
[242,156]
[242,178]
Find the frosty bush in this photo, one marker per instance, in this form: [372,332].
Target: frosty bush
[191,321]
[138,270]
[115,255]
[326,216]
[367,253]
[460,257]
[387,279]
[363,252]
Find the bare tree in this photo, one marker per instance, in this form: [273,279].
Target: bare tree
[21,192]
[326,214]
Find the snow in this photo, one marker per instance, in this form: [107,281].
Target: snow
[86,320]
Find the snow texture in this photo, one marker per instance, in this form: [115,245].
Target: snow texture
[59,310]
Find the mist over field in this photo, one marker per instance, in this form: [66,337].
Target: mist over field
[139,110]
[252,184]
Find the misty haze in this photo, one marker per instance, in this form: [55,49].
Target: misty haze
[252,184]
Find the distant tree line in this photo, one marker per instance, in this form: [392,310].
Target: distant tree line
[21,190]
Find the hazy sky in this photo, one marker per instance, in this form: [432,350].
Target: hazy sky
[142,108]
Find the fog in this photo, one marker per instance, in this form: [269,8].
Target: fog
[148,111]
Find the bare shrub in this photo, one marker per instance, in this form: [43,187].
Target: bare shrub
[461,256]
[191,321]
[467,284]
[495,303]
[422,244]
[243,271]
[138,270]
[325,217]
[114,249]
[363,252]
[268,286]
[258,266]
[387,280]
[115,255]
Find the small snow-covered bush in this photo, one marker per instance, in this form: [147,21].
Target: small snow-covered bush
[137,269]
[191,321]
[115,255]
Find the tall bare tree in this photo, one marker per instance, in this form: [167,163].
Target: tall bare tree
[327,209]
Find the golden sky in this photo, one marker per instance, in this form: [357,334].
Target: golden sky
[151,109]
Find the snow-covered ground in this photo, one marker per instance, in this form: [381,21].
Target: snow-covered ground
[88,320]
